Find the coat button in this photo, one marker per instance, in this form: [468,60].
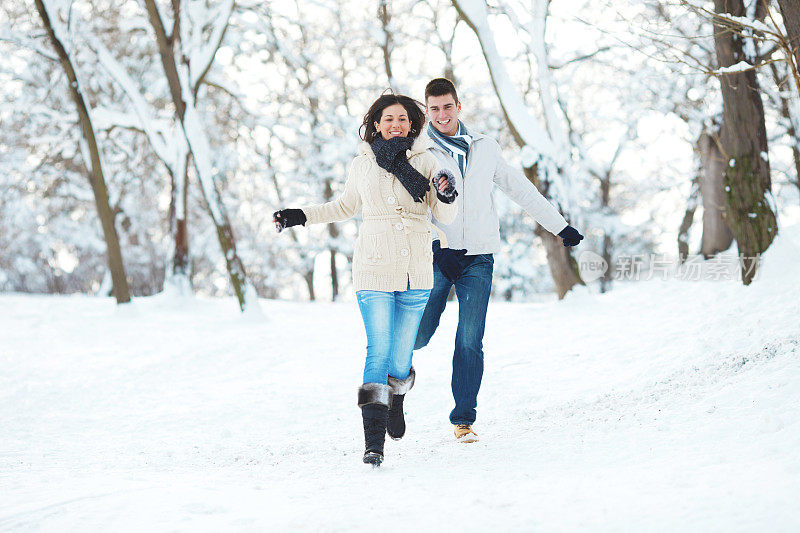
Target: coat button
[391,199]
[398,226]
[404,252]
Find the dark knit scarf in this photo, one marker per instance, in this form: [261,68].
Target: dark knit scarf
[391,156]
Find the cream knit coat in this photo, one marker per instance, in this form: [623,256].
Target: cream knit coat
[393,248]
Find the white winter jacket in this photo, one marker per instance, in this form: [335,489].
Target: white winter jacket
[476,227]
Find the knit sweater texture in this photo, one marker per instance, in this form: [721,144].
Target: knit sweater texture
[393,249]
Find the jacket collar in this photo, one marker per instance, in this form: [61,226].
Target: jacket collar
[475,137]
[421,145]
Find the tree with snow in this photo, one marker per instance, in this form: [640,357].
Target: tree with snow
[187,53]
[547,157]
[747,180]
[53,16]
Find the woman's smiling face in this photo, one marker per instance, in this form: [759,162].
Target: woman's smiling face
[394,122]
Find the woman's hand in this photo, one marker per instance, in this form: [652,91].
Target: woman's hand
[286,218]
[445,183]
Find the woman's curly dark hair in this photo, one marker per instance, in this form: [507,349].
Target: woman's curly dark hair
[413,108]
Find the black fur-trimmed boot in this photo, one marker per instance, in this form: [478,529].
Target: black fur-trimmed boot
[396,427]
[374,400]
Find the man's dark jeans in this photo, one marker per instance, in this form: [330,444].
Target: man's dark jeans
[472,290]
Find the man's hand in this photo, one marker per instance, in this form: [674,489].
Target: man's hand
[570,236]
[286,218]
[448,262]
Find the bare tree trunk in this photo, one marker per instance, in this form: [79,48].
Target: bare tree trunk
[605,280]
[746,177]
[167,54]
[179,274]
[198,146]
[605,203]
[446,45]
[788,112]
[449,71]
[688,218]
[332,228]
[342,63]
[790,11]
[96,178]
[563,267]
[309,277]
[181,261]
[334,277]
[385,17]
[717,236]
[333,231]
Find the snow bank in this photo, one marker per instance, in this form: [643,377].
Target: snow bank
[661,406]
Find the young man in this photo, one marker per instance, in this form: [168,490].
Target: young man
[478,164]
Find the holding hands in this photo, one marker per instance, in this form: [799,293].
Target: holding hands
[445,183]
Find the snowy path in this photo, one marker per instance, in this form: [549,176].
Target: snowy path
[673,406]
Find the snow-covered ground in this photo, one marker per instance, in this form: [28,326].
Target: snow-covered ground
[661,406]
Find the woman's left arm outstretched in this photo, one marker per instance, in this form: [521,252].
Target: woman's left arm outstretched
[344,207]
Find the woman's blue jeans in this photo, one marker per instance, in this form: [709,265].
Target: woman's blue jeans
[391,320]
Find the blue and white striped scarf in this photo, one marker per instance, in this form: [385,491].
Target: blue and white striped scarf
[457,145]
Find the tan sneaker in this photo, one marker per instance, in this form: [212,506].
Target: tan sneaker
[464,433]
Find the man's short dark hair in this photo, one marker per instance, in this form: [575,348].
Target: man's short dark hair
[440,87]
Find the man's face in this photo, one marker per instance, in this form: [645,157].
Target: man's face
[443,113]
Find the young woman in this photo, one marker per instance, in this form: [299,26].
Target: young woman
[392,260]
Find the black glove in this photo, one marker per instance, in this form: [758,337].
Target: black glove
[286,218]
[448,195]
[570,236]
[447,261]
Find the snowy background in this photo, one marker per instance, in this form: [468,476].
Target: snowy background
[615,94]
[661,406]
[641,404]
